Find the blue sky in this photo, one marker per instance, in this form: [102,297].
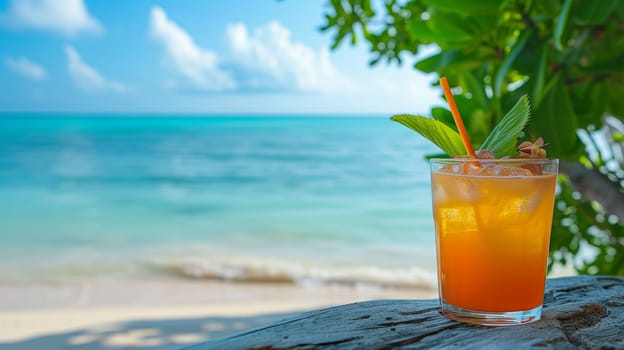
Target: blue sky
[229,57]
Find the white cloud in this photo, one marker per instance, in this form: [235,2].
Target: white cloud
[86,77]
[26,67]
[265,60]
[270,59]
[68,17]
[198,66]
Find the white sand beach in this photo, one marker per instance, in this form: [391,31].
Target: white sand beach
[157,313]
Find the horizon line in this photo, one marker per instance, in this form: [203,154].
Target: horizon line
[192,114]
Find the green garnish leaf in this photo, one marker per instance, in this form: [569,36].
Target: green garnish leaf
[435,131]
[504,137]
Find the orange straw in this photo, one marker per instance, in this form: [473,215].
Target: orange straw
[457,117]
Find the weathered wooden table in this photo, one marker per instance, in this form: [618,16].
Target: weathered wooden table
[583,312]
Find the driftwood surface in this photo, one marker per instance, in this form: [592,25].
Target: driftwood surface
[582,312]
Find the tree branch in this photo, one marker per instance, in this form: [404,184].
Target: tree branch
[595,186]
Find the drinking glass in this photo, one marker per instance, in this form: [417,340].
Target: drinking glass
[493,219]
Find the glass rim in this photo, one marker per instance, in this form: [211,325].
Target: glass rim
[500,160]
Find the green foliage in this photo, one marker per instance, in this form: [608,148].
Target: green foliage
[496,51]
[435,131]
[595,12]
[560,24]
[582,224]
[565,54]
[550,122]
[503,139]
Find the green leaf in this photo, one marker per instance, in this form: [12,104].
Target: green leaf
[421,31]
[616,102]
[435,131]
[540,76]
[450,26]
[449,59]
[508,61]
[590,102]
[472,85]
[620,9]
[560,24]
[443,29]
[444,115]
[503,138]
[463,6]
[556,122]
[594,12]
[548,8]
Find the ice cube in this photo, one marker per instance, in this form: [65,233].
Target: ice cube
[503,170]
[536,169]
[468,168]
[472,168]
[450,169]
[457,219]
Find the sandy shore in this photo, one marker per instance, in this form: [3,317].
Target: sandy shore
[156,313]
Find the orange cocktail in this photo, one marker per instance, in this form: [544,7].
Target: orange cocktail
[493,221]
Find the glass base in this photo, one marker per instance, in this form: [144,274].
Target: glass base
[491,318]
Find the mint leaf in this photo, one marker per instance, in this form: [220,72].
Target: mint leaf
[435,131]
[504,137]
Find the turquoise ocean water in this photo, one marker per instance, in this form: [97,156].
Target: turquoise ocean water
[294,199]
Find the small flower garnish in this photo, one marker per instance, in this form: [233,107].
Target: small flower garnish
[533,149]
[484,154]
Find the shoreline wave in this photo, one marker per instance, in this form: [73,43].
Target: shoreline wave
[361,276]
